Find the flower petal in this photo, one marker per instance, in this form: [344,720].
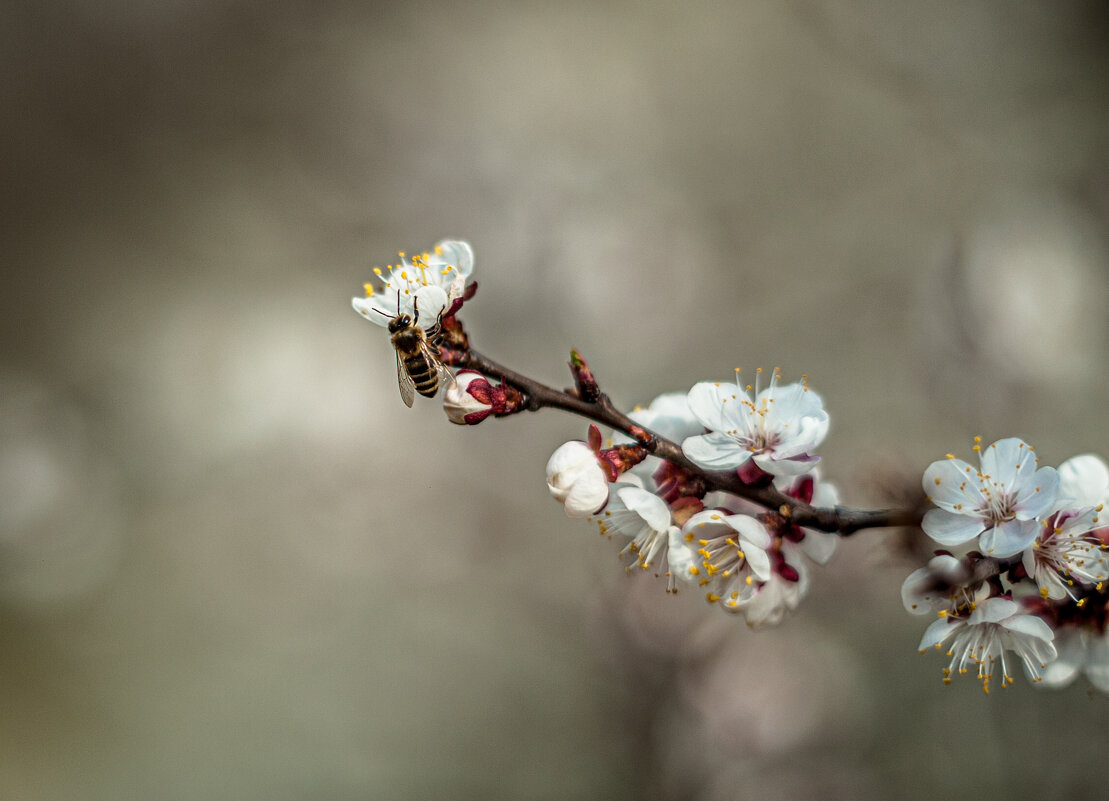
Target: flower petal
[588,494]
[948,528]
[569,456]
[1070,645]
[370,308]
[750,530]
[952,484]
[1008,460]
[715,451]
[994,610]
[937,632]
[819,545]
[706,402]
[455,253]
[1029,626]
[680,557]
[1084,480]
[1009,538]
[647,505]
[430,301]
[1037,494]
[917,593]
[793,466]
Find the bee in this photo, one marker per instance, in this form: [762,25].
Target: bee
[418,366]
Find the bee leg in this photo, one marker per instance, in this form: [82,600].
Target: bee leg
[435,333]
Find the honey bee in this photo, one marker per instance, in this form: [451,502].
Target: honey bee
[418,365]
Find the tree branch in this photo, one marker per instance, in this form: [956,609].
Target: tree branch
[841,519]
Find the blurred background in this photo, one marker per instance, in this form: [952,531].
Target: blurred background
[234,566]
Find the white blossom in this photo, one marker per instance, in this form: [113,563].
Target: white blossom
[776,429]
[1083,481]
[1067,551]
[981,639]
[654,543]
[728,556]
[1082,649]
[575,478]
[940,587]
[998,502]
[779,594]
[811,489]
[669,415]
[429,281]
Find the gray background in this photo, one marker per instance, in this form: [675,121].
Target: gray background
[234,566]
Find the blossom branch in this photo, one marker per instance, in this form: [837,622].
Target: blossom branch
[841,519]
[1033,577]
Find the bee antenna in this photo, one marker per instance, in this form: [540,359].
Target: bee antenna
[386,314]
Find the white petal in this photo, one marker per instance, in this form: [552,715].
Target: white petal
[430,300]
[1006,460]
[569,456]
[1029,626]
[705,524]
[937,632]
[715,451]
[1070,645]
[948,528]
[916,595]
[750,530]
[952,484]
[825,493]
[706,402]
[1009,538]
[759,562]
[793,402]
[1037,494]
[456,253]
[994,610]
[819,545]
[679,556]
[670,416]
[1084,479]
[370,309]
[813,430]
[795,466]
[588,495]
[647,505]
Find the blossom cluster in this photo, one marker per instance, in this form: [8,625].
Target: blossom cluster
[718,489]
[1033,580]
[745,559]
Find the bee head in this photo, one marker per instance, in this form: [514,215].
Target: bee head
[400,322]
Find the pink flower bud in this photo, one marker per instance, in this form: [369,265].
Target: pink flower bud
[468,400]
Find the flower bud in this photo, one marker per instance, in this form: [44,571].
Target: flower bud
[467,400]
[586,385]
[471,398]
[575,478]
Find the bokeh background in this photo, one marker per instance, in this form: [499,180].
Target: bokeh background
[234,566]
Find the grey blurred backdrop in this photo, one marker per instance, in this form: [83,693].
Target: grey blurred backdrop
[234,566]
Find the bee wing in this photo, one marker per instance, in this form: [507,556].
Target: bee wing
[446,377]
[406,384]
